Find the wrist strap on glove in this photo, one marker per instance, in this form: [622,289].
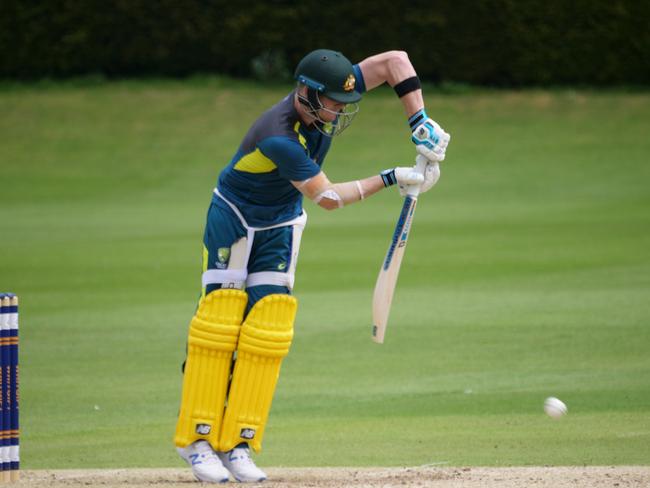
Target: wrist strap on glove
[388,177]
[417,118]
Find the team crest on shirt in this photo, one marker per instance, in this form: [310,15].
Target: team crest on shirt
[349,83]
[223,254]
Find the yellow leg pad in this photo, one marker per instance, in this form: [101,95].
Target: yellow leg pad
[264,341]
[213,336]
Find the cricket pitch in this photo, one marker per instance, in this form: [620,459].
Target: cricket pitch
[435,477]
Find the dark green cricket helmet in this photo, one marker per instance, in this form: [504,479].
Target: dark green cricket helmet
[330,74]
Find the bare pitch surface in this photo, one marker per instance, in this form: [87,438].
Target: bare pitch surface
[537,477]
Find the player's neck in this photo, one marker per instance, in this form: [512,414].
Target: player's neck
[304,117]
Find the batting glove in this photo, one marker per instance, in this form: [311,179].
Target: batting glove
[402,176]
[429,138]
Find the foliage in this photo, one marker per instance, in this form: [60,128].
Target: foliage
[493,42]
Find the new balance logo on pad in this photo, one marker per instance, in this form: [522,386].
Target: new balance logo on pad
[247,434]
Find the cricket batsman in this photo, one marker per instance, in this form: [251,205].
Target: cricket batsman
[243,325]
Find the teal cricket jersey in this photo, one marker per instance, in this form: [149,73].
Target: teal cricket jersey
[277,149]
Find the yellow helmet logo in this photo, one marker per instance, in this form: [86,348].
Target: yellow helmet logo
[349,83]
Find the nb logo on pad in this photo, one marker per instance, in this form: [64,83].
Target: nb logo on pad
[247,434]
[203,429]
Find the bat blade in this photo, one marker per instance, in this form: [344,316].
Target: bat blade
[389,272]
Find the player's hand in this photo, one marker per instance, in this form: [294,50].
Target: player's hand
[431,177]
[430,140]
[408,176]
[402,176]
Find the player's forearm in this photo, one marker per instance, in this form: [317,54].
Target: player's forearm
[371,185]
[346,193]
[393,67]
[355,191]
[331,196]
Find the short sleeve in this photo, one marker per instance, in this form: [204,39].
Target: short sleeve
[290,157]
[360,85]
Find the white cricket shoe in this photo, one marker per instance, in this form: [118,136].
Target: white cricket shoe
[241,466]
[204,461]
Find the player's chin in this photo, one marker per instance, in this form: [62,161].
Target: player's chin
[327,116]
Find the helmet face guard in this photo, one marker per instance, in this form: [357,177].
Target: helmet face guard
[314,106]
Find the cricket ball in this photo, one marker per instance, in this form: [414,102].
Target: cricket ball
[555,407]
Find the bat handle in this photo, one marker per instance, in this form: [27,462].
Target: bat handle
[420,166]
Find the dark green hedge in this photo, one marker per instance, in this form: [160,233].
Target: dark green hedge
[494,42]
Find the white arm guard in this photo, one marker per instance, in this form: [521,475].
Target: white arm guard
[339,194]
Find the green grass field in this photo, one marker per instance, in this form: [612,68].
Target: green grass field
[527,275]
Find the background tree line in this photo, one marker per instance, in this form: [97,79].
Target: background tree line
[486,42]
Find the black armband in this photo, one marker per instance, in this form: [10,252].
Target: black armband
[407,86]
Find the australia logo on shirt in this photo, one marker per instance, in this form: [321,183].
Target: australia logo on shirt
[223,255]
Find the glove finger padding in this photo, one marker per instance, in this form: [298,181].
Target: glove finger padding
[431,177]
[408,176]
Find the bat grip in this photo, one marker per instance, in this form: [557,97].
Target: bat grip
[420,166]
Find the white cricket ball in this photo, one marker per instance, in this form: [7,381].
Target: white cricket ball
[555,407]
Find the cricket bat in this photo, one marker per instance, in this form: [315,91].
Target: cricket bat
[387,279]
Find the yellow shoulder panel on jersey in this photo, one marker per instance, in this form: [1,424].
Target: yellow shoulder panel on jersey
[255,162]
[301,138]
[213,336]
[264,341]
